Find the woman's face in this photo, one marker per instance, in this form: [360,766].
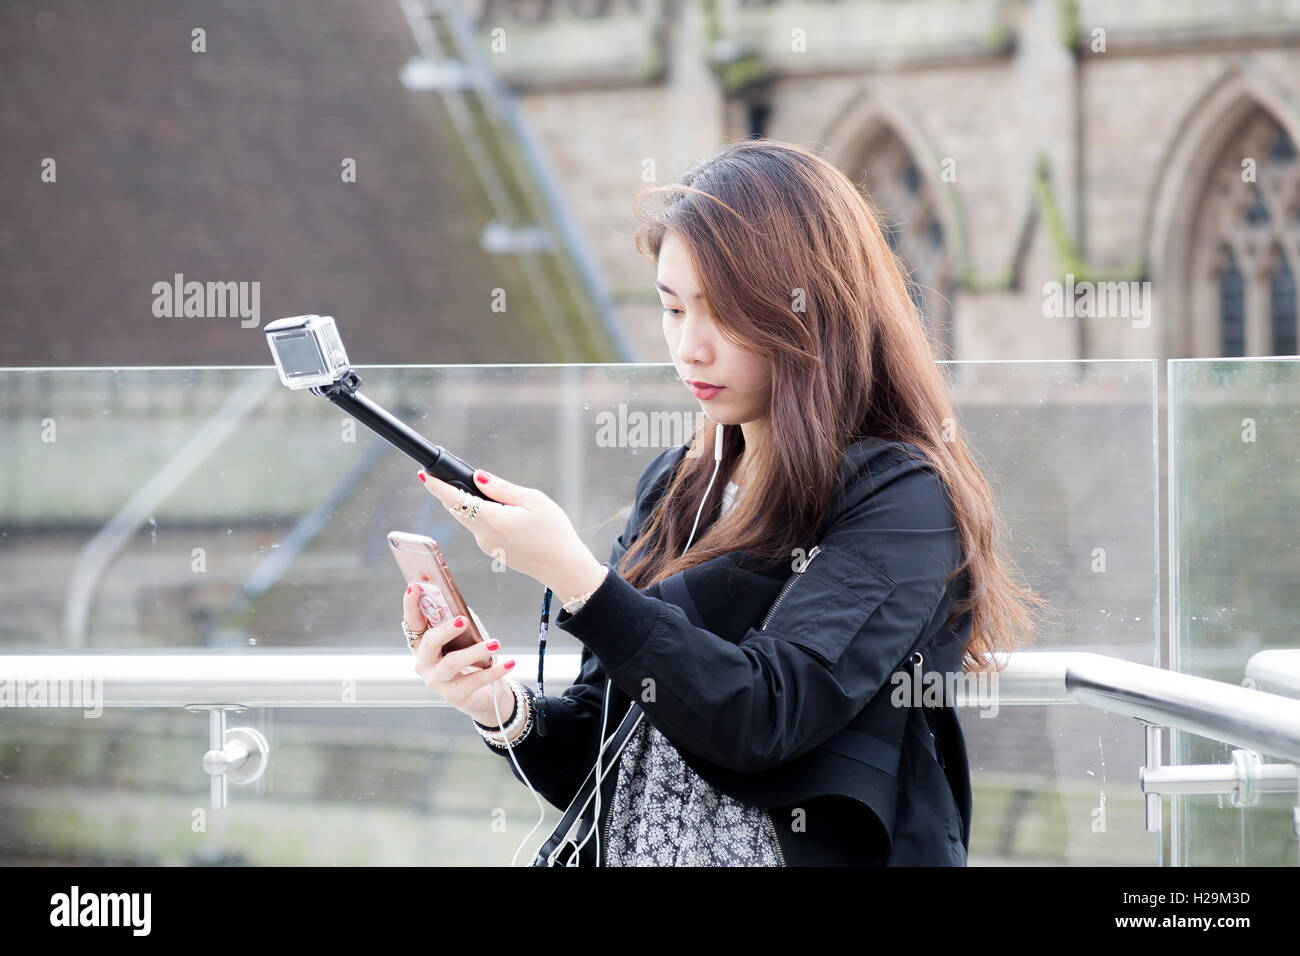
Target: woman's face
[697,347]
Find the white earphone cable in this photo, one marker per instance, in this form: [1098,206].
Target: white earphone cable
[540,807]
[600,774]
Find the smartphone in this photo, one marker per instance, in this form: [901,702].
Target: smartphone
[420,560]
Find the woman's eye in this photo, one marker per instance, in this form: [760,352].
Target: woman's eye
[672,311]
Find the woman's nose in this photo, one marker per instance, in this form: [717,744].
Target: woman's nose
[694,348]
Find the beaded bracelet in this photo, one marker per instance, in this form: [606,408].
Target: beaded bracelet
[523,711]
[508,737]
[514,712]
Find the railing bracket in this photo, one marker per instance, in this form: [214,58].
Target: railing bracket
[235,754]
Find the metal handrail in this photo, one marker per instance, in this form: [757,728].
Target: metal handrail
[1253,720]
[1230,713]
[273,678]
[276,678]
[1236,715]
[242,679]
[1276,671]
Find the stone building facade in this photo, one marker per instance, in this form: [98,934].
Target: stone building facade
[1025,151]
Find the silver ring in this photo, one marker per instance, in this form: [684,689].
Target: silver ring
[465,506]
[411,637]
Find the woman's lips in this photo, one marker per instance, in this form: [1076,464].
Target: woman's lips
[706,391]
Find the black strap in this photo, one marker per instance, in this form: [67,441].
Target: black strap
[673,589]
[586,791]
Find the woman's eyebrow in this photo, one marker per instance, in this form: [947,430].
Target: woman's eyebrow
[698,295]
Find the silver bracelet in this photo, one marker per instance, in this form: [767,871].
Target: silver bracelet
[523,715]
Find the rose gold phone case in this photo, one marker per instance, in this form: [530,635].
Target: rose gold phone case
[420,559]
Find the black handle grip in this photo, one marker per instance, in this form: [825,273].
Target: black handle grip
[434,459]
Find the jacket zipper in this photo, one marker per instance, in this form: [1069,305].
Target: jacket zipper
[609,820]
[608,813]
[771,827]
[789,584]
[607,810]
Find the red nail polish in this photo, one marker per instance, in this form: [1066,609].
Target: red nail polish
[408,589]
[509,664]
[421,475]
[481,478]
[493,645]
[459,622]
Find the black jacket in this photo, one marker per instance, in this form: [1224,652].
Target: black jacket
[775,684]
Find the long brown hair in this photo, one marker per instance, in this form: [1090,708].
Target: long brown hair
[793,266]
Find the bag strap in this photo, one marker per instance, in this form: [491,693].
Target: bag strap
[630,721]
[586,792]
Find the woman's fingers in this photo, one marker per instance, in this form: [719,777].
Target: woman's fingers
[449,495]
[453,662]
[441,672]
[461,688]
[425,604]
[428,650]
[415,619]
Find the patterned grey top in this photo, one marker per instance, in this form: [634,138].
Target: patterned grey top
[664,814]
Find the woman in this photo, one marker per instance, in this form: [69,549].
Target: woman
[764,637]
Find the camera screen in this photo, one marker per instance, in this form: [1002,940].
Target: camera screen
[298,354]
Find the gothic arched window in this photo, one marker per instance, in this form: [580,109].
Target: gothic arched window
[1232,310]
[1248,245]
[910,221]
[1281,305]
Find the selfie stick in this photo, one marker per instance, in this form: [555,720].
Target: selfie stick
[435,459]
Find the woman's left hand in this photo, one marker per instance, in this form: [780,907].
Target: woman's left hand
[525,529]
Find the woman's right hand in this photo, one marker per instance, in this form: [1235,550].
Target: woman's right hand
[452,675]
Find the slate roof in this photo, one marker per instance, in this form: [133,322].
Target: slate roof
[226,166]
